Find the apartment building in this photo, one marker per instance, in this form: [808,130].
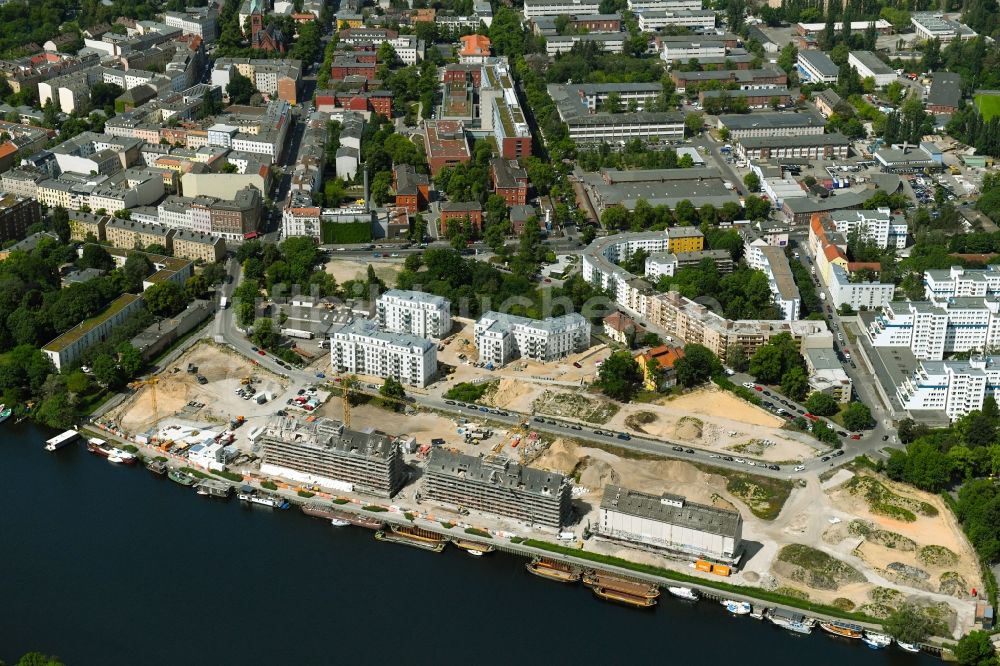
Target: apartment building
[16,215]
[641,6]
[495,484]
[500,110]
[200,21]
[672,523]
[502,337]
[533,8]
[67,348]
[129,234]
[942,284]
[826,373]
[684,49]
[510,181]
[323,452]
[610,42]
[955,387]
[198,246]
[360,347]
[880,226]
[82,225]
[931,331]
[414,313]
[651,21]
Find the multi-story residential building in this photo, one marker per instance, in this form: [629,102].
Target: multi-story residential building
[22,182]
[495,484]
[684,49]
[415,313]
[129,234]
[816,67]
[960,324]
[954,387]
[826,373]
[82,225]
[360,347]
[500,110]
[228,219]
[685,239]
[784,291]
[445,144]
[652,21]
[326,453]
[501,337]
[198,246]
[879,227]
[200,21]
[533,8]
[67,349]
[672,523]
[603,41]
[829,247]
[869,66]
[16,215]
[510,181]
[640,6]
[942,284]
[412,188]
[459,211]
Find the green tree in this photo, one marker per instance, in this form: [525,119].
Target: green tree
[240,89]
[394,391]
[130,359]
[697,366]
[620,376]
[736,357]
[264,335]
[857,416]
[60,223]
[752,181]
[245,314]
[380,187]
[766,364]
[195,286]
[908,624]
[165,299]
[794,383]
[137,268]
[107,372]
[822,404]
[693,123]
[95,256]
[39,659]
[976,649]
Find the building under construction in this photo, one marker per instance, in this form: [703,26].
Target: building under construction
[671,523]
[324,452]
[496,484]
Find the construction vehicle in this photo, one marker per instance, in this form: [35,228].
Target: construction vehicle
[236,422]
[246,380]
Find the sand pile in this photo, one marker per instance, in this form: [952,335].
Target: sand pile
[597,473]
[689,429]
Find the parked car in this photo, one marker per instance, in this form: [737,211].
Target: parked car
[624,436]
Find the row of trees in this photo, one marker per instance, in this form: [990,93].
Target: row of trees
[648,217]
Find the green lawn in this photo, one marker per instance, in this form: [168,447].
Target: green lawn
[989,105]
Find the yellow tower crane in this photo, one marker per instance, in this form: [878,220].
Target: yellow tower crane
[151,383]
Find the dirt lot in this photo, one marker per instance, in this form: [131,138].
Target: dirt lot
[344,269]
[223,369]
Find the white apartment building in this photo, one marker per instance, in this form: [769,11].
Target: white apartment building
[611,42]
[659,264]
[408,48]
[414,312]
[867,295]
[940,285]
[502,337]
[195,21]
[961,324]
[300,221]
[643,6]
[653,20]
[69,347]
[784,291]
[878,226]
[954,387]
[682,50]
[869,66]
[359,347]
[533,8]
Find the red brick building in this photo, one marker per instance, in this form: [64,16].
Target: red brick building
[510,181]
[375,101]
[458,73]
[352,65]
[459,210]
[597,23]
[412,188]
[445,144]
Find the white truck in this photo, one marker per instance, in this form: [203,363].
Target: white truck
[223,303]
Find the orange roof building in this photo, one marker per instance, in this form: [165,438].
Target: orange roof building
[665,356]
[475,49]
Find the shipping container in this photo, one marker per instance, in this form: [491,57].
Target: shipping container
[721,570]
[702,565]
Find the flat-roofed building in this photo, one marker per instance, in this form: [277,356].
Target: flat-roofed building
[415,313]
[672,523]
[580,106]
[446,144]
[533,8]
[816,67]
[869,66]
[809,146]
[326,453]
[502,337]
[360,347]
[67,348]
[827,374]
[16,215]
[495,484]
[932,25]
[611,42]
[667,187]
[651,21]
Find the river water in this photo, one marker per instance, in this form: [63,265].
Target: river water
[105,565]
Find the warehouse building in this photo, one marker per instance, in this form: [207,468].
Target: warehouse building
[870,67]
[495,484]
[816,67]
[744,125]
[324,452]
[810,146]
[671,523]
[415,313]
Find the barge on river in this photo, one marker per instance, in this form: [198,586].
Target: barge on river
[413,536]
[317,510]
[553,570]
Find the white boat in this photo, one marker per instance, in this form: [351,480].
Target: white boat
[250,494]
[474,552]
[737,607]
[909,647]
[4,413]
[60,441]
[683,593]
[339,522]
[796,622]
[876,641]
[121,456]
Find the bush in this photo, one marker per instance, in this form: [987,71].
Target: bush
[306,493]
[341,501]
[197,473]
[231,476]
[374,508]
[269,485]
[469,392]
[475,531]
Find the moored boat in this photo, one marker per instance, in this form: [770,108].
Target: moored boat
[796,622]
[737,607]
[684,593]
[61,440]
[183,478]
[5,412]
[339,522]
[474,547]
[875,640]
[595,579]
[250,495]
[213,488]
[157,467]
[621,597]
[317,510]
[553,570]
[413,536]
[909,647]
[843,629]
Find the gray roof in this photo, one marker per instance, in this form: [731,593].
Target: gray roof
[801,205]
[495,471]
[504,321]
[417,297]
[701,517]
[946,89]
[834,139]
[368,328]
[748,121]
[329,436]
[830,96]
[820,62]
[872,62]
